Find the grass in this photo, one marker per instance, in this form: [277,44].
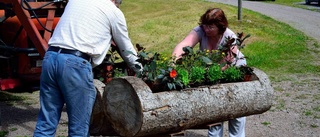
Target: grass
[314,126]
[308,113]
[266,123]
[273,47]
[3,133]
[281,104]
[6,96]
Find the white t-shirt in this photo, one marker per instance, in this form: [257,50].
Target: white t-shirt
[89,26]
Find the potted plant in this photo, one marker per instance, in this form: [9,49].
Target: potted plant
[195,68]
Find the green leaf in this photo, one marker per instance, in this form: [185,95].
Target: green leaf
[144,55]
[170,86]
[101,79]
[156,56]
[153,65]
[222,64]
[150,76]
[247,36]
[180,84]
[146,68]
[162,71]
[188,50]
[161,76]
[174,86]
[206,60]
[165,79]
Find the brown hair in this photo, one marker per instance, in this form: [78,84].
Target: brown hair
[215,16]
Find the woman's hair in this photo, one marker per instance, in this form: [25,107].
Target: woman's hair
[215,16]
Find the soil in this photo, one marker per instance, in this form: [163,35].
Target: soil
[295,112]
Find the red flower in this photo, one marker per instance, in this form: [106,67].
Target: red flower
[173,73]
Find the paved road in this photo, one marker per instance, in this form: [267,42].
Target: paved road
[304,20]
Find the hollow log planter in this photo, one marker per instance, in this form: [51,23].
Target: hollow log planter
[133,110]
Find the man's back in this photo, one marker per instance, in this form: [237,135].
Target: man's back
[87,26]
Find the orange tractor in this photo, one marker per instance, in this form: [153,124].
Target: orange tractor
[25,28]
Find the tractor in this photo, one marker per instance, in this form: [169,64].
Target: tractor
[25,28]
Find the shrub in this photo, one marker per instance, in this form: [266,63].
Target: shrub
[214,73]
[183,75]
[232,74]
[197,74]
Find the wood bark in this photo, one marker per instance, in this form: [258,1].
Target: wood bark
[99,124]
[134,110]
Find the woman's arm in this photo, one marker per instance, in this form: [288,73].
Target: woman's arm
[191,40]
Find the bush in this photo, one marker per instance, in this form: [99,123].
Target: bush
[197,74]
[184,76]
[232,74]
[214,73]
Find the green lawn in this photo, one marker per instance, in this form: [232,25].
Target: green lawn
[274,47]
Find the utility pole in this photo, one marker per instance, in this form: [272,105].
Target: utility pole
[239,10]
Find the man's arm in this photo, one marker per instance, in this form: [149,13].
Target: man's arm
[121,39]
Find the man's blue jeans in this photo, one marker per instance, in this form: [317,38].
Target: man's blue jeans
[65,79]
[236,128]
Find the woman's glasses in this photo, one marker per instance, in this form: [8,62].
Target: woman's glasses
[210,27]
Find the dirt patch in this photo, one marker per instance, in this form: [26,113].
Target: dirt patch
[18,118]
[296,110]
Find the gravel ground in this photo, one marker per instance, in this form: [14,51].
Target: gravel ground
[296,109]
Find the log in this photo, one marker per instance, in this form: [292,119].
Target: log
[134,110]
[99,124]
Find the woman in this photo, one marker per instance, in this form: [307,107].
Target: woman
[213,31]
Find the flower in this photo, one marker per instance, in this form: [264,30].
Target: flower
[173,73]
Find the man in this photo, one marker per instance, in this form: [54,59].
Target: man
[80,41]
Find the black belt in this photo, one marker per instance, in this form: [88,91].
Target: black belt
[69,51]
